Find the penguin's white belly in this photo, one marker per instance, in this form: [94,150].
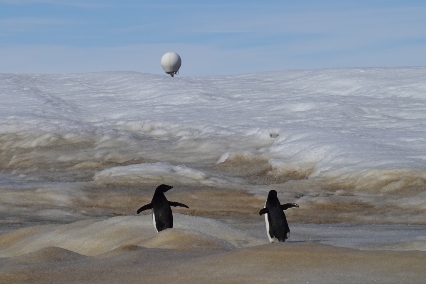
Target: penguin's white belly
[271,240]
[153,220]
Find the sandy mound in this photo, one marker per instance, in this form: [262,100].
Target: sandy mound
[186,240]
[95,237]
[272,263]
[49,254]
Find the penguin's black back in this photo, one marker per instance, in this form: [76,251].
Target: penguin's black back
[278,226]
[163,217]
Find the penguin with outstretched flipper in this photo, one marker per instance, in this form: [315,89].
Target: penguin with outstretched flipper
[161,212]
[276,222]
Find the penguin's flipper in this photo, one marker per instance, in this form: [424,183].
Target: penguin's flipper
[171,203]
[288,205]
[145,207]
[263,211]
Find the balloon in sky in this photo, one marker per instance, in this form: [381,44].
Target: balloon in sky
[171,63]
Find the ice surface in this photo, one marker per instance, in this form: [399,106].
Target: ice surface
[334,122]
[79,153]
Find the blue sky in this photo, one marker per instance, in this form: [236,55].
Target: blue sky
[213,38]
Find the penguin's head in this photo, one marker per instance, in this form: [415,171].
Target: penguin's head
[272,194]
[163,187]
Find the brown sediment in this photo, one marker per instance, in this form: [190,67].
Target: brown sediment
[208,201]
[272,263]
[395,181]
[202,200]
[315,206]
[258,170]
[54,157]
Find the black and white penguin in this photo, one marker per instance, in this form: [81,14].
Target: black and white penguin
[161,212]
[276,222]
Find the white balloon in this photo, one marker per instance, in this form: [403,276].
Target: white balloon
[171,63]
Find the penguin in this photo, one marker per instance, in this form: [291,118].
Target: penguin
[160,206]
[276,222]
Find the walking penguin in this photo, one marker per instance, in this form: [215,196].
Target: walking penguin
[161,212]
[276,222]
